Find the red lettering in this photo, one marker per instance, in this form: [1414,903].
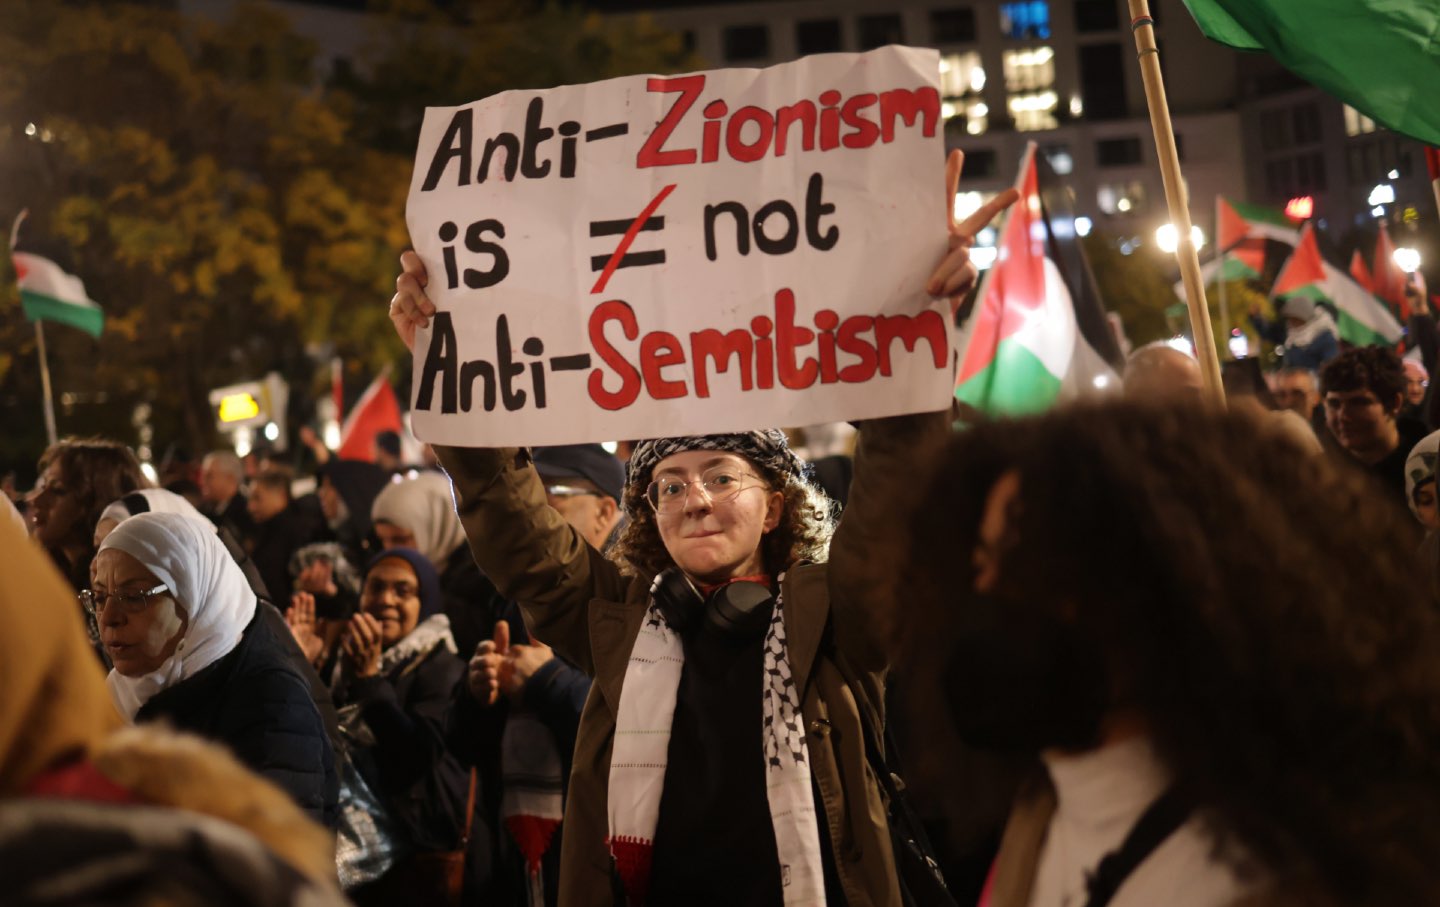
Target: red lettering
[909,329]
[826,320]
[850,342]
[829,120]
[613,310]
[719,348]
[659,349]
[652,153]
[866,132]
[802,112]
[735,143]
[907,104]
[710,142]
[761,326]
[789,337]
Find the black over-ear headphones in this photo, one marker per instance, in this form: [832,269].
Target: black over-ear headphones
[739,610]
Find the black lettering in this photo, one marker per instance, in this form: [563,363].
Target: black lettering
[535,136]
[788,240]
[742,227]
[816,208]
[477,368]
[569,129]
[511,145]
[455,143]
[534,346]
[507,367]
[475,241]
[440,360]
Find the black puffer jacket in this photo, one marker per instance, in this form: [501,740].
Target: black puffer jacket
[255,702]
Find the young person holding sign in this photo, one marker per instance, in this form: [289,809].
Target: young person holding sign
[720,758]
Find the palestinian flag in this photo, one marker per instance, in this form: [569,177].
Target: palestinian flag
[1362,319]
[377,410]
[48,291]
[1236,222]
[1360,273]
[1388,280]
[1244,262]
[1032,340]
[1381,57]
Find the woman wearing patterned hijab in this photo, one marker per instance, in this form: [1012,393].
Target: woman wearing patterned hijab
[180,624]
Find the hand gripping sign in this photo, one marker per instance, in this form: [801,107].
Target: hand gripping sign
[682,255]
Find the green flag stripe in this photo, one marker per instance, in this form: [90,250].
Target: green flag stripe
[1352,331]
[39,307]
[1261,214]
[1014,383]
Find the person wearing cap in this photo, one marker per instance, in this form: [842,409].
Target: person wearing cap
[734,647]
[1307,337]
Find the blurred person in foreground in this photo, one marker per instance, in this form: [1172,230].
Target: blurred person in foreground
[1158,371]
[190,646]
[93,812]
[1218,709]
[1363,391]
[78,479]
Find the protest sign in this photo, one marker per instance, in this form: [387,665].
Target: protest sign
[686,254]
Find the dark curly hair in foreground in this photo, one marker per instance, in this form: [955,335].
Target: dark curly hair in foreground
[803,534]
[1262,612]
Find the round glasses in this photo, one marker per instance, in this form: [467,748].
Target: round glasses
[129,603]
[721,483]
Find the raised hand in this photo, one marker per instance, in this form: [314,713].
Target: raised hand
[955,274]
[488,668]
[300,618]
[410,308]
[523,662]
[318,578]
[361,645]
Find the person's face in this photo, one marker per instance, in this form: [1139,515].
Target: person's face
[265,503]
[138,633]
[1415,384]
[392,536]
[712,542]
[1358,420]
[1425,506]
[56,509]
[591,513]
[331,503]
[216,485]
[1296,392]
[392,596]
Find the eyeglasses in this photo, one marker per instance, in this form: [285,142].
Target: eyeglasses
[376,588]
[129,603]
[570,491]
[721,484]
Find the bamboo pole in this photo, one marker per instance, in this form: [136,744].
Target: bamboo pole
[1143,28]
[45,383]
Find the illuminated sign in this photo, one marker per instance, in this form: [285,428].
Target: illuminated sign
[1300,208]
[238,407]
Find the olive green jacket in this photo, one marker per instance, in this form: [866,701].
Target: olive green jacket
[578,602]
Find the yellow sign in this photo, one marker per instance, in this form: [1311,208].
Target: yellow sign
[238,407]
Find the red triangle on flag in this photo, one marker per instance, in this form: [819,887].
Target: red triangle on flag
[1360,272]
[1303,267]
[1015,286]
[1232,227]
[1389,280]
[377,410]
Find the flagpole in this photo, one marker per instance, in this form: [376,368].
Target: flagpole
[1143,28]
[1221,254]
[45,382]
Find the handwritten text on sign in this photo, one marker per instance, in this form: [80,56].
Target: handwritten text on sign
[680,255]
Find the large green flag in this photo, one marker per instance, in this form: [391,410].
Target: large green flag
[1381,57]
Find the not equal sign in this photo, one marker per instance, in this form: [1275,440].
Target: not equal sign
[620,228]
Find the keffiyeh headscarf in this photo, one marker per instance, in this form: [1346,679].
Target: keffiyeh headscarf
[188,557]
[767,448]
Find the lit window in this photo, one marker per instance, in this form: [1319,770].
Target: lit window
[1034,110]
[1029,70]
[1121,198]
[1027,19]
[961,80]
[1357,123]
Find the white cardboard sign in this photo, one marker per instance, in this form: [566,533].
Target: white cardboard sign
[712,252]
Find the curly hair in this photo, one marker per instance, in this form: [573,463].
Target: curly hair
[1366,368]
[806,524]
[98,471]
[1262,609]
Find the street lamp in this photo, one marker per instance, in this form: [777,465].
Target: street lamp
[1407,259]
[1168,238]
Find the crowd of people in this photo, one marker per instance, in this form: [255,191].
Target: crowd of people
[1139,650]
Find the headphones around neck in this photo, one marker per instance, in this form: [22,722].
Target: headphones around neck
[738,610]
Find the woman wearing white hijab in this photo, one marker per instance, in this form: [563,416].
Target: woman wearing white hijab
[180,624]
[418,512]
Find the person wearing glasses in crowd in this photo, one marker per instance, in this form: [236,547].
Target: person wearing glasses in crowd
[181,626]
[720,756]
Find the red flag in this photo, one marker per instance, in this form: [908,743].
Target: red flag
[377,410]
[1389,281]
[1360,272]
